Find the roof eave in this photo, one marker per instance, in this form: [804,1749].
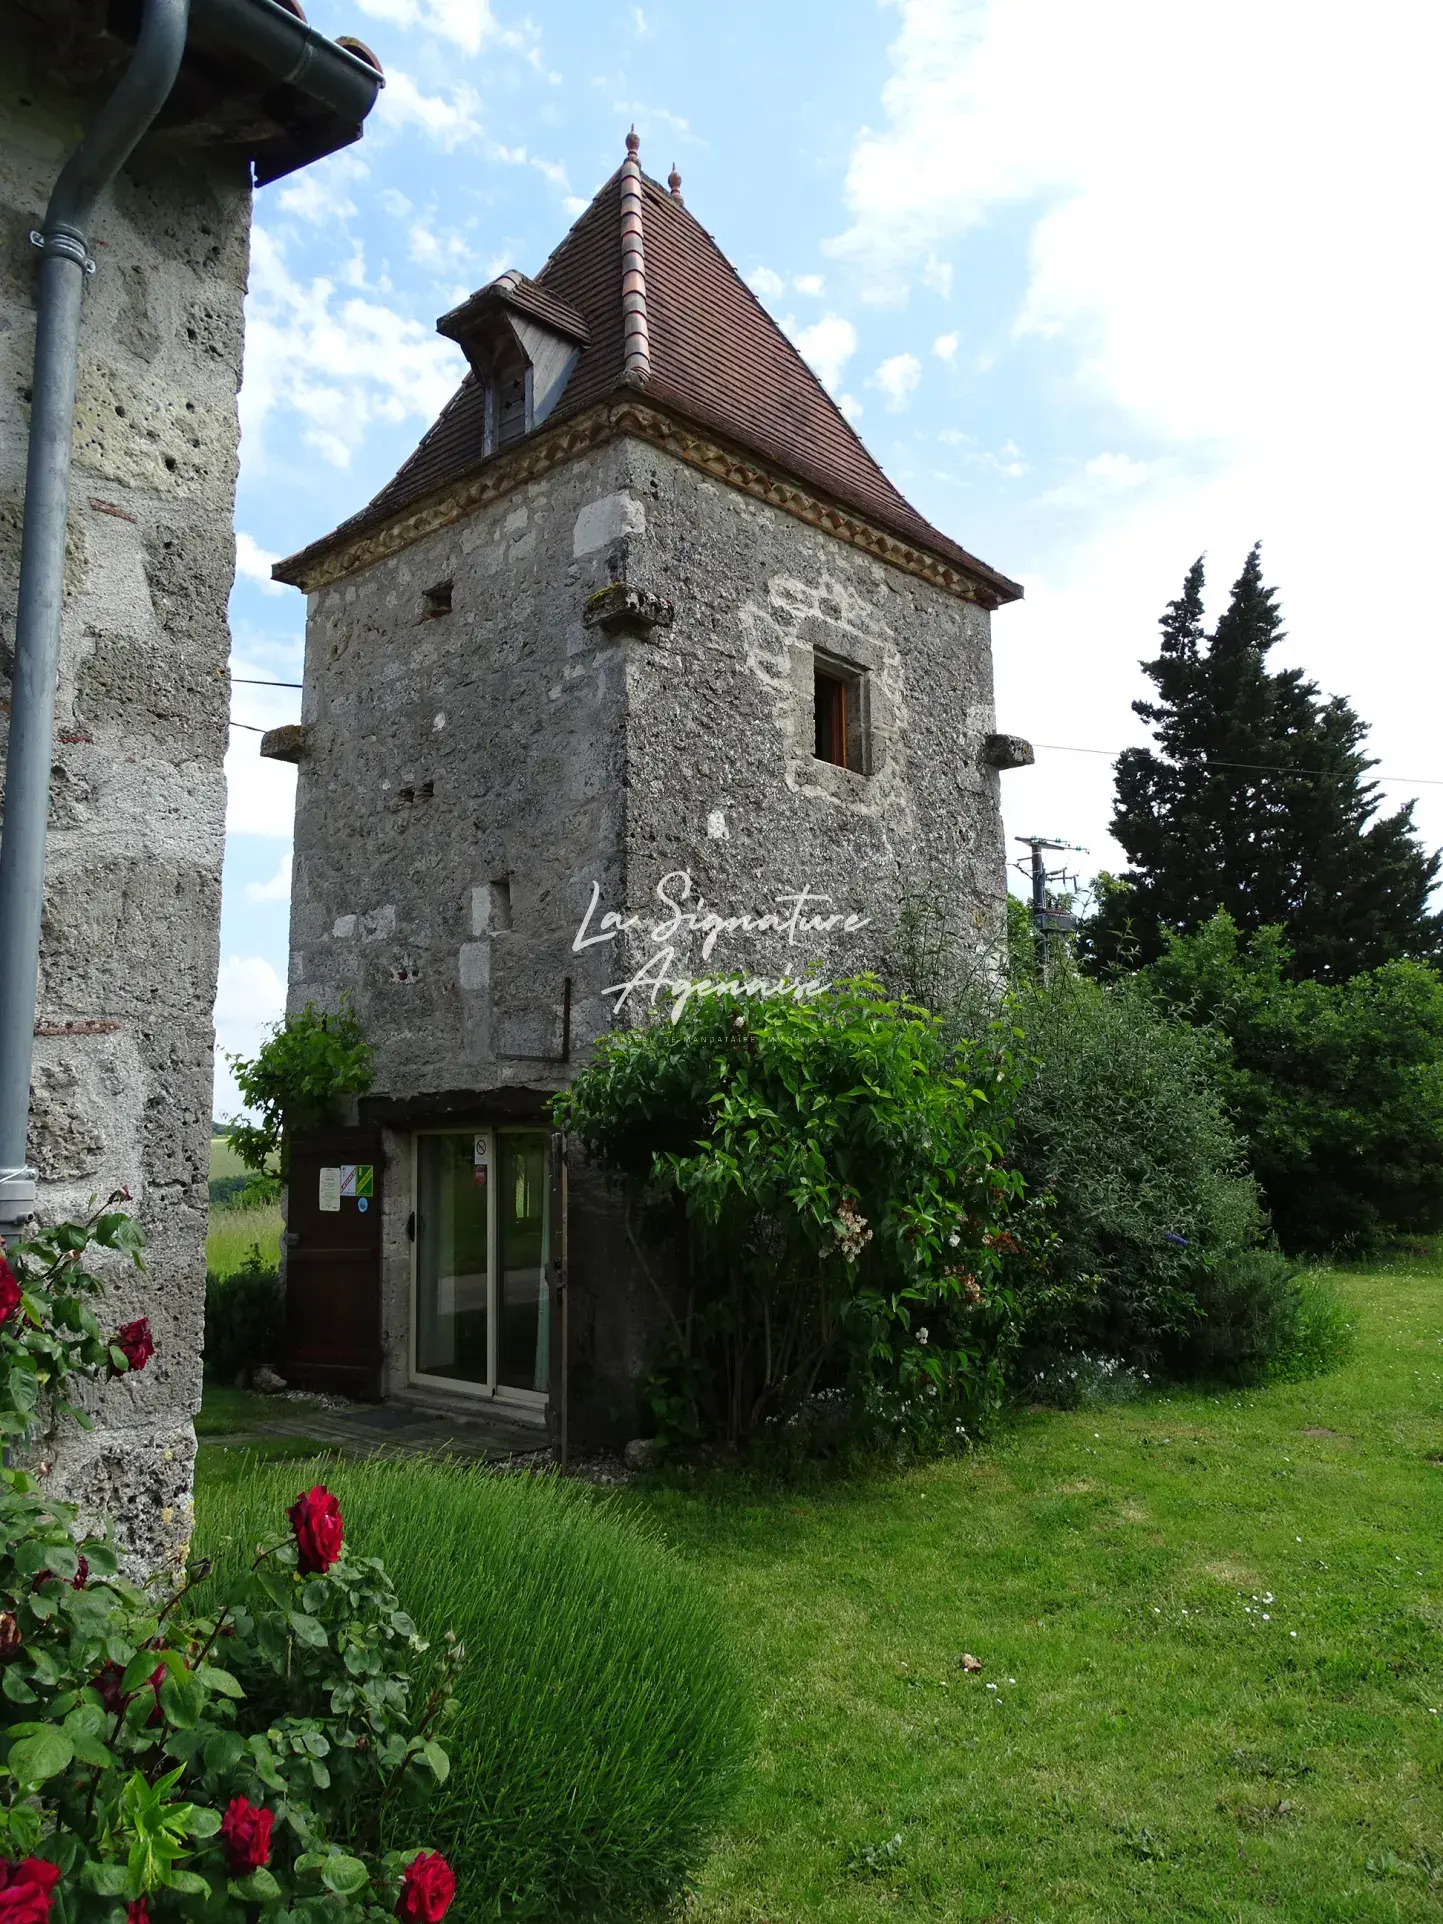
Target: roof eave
[625,410]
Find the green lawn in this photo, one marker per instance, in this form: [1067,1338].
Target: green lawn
[1210,1627]
[1213,1668]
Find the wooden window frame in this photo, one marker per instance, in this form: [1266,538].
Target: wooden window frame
[839,717]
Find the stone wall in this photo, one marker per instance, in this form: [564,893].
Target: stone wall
[123,1057]
[472,782]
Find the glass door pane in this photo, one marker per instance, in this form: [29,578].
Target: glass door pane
[451,1256]
[523,1318]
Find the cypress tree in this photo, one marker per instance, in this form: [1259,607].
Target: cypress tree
[1257,801]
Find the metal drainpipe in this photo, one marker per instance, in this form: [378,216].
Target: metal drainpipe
[104,148]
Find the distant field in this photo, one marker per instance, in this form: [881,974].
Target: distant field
[223,1159]
[232,1231]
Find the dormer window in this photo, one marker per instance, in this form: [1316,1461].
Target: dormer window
[523,345]
[511,399]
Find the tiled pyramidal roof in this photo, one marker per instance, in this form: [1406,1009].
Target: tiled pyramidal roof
[658,308]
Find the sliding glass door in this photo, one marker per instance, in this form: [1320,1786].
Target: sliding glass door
[482,1310]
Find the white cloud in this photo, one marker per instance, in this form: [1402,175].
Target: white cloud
[448,118]
[467,24]
[254,563]
[394,202]
[639,24]
[277,889]
[250,997]
[851,407]
[937,274]
[260,795]
[809,284]
[897,377]
[945,347]
[766,282]
[1117,470]
[338,362]
[1007,460]
[1223,221]
[826,346]
[317,195]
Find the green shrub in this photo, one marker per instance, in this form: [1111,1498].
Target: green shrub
[1337,1087]
[599,1718]
[244,1318]
[297,1080]
[1121,1122]
[841,1187]
[1156,1252]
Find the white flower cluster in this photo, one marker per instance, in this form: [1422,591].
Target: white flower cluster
[854,1235]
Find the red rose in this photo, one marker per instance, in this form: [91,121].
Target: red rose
[429,1886]
[25,1890]
[156,1679]
[10,1638]
[137,1911]
[246,1834]
[77,1582]
[107,1686]
[316,1520]
[9,1292]
[135,1341]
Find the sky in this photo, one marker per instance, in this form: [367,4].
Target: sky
[1102,287]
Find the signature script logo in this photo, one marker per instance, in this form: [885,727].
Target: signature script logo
[799,913]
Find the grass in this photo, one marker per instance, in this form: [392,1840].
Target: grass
[225,1411]
[234,1229]
[598,1717]
[1224,1618]
[223,1159]
[1212,1636]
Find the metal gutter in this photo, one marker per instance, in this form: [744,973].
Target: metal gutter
[285,51]
[289,52]
[63,242]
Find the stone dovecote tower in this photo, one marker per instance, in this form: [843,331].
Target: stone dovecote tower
[640,634]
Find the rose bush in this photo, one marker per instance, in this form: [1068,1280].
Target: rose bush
[232,1757]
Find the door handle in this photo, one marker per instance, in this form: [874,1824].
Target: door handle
[290,1237]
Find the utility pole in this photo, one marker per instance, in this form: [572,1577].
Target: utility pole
[1049,917]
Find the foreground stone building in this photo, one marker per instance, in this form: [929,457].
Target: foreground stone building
[639,634]
[121,1089]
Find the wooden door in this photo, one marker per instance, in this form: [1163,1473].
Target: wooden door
[333,1262]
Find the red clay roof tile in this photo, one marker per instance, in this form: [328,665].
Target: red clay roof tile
[715,357]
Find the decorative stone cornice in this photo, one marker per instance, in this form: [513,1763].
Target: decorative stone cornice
[338,556]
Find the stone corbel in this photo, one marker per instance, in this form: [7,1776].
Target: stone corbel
[1007,751]
[621,609]
[286,744]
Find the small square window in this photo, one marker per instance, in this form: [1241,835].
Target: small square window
[838,716]
[437,600]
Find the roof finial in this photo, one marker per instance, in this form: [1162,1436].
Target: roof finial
[673,181]
[633,143]
[636,338]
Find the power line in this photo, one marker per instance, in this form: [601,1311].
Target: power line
[1257,768]
[254,681]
